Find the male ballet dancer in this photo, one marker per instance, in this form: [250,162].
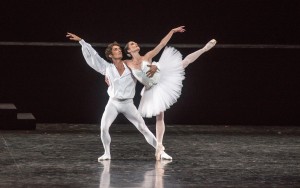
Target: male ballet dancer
[121,91]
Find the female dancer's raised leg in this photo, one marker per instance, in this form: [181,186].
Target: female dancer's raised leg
[193,56]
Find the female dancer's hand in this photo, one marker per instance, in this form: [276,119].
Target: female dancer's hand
[73,37]
[179,29]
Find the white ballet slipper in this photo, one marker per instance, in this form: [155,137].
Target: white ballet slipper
[104,157]
[165,156]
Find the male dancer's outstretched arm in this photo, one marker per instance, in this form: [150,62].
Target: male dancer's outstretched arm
[90,55]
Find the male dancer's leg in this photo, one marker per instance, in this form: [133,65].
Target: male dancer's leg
[134,116]
[193,56]
[107,119]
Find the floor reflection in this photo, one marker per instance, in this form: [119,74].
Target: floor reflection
[105,175]
[133,174]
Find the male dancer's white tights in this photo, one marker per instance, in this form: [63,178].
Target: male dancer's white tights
[160,124]
[126,107]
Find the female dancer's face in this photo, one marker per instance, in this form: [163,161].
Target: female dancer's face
[133,47]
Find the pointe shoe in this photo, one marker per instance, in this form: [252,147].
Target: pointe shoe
[159,151]
[210,44]
[104,157]
[165,156]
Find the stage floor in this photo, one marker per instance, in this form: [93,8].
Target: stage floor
[65,155]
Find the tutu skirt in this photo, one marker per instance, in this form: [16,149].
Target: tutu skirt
[165,93]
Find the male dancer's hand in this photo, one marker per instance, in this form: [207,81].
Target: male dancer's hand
[151,71]
[107,81]
[73,37]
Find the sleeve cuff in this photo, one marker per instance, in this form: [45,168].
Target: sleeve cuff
[82,42]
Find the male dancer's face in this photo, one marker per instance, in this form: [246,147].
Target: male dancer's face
[116,53]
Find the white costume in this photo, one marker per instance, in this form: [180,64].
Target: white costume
[121,92]
[163,89]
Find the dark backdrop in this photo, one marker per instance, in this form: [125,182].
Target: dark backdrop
[224,86]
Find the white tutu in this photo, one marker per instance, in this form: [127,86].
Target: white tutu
[168,89]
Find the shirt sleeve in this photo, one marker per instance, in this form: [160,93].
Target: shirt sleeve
[92,57]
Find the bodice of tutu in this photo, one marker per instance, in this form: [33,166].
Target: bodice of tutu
[142,77]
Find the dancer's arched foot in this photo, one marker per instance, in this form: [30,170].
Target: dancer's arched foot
[210,44]
[165,156]
[104,157]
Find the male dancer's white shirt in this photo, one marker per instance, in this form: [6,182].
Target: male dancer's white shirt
[121,87]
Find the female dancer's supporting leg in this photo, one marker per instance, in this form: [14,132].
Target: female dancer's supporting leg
[160,131]
[160,124]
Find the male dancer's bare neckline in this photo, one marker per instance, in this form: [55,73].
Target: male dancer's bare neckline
[120,67]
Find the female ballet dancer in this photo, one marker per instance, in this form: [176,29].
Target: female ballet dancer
[164,88]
